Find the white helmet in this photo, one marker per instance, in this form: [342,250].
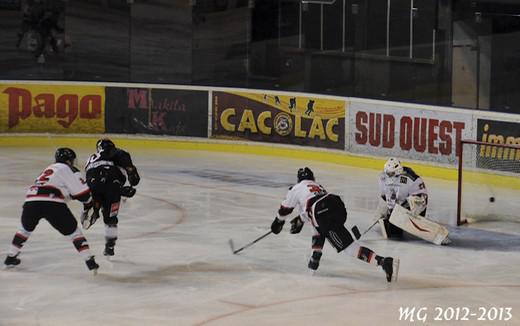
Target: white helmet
[393,167]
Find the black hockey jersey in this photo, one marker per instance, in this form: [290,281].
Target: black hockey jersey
[113,165]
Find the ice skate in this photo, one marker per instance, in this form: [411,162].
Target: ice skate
[109,251]
[109,248]
[11,261]
[391,268]
[92,265]
[314,262]
[446,241]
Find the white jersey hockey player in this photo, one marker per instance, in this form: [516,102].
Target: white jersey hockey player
[327,215]
[46,198]
[400,186]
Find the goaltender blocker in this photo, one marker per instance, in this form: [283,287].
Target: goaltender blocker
[404,203]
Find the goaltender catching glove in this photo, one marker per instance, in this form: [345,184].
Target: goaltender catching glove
[277,225]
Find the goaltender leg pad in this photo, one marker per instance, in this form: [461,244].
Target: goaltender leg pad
[382,209]
[418,225]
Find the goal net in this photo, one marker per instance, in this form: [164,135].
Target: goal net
[488,182]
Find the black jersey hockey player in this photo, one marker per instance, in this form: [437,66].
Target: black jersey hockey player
[327,215]
[46,198]
[107,171]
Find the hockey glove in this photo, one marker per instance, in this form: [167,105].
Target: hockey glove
[277,225]
[88,221]
[133,176]
[127,191]
[417,203]
[296,225]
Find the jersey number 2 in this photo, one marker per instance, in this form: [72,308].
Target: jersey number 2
[44,177]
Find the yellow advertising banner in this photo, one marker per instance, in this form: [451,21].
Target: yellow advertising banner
[52,108]
[286,119]
[300,105]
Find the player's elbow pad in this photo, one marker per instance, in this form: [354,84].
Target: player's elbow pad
[283,211]
[133,177]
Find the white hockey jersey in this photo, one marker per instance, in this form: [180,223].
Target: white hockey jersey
[300,197]
[396,189]
[58,183]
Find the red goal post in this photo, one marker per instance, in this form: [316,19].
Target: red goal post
[488,182]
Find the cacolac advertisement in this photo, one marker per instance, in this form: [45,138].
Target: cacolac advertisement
[52,108]
[285,119]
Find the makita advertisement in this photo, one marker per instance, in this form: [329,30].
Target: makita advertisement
[157,111]
[284,119]
[52,108]
[407,132]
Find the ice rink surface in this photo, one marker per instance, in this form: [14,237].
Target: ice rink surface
[173,264]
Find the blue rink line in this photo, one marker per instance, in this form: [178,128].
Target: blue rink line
[233,177]
[477,239]
[471,238]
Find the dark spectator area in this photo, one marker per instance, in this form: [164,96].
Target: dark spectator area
[457,53]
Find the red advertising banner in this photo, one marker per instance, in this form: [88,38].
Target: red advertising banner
[419,134]
[298,120]
[52,108]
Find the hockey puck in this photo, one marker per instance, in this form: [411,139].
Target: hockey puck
[491,199]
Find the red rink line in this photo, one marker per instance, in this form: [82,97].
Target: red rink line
[176,207]
[350,291]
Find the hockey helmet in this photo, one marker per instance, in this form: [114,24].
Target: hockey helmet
[65,155]
[105,145]
[393,167]
[305,174]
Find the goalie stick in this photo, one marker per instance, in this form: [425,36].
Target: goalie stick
[232,245]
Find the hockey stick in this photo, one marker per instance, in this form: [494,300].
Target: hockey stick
[231,244]
[370,227]
[356,232]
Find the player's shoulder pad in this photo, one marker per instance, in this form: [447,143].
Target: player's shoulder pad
[408,172]
[122,158]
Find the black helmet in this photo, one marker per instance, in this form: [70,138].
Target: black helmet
[65,155]
[105,145]
[305,174]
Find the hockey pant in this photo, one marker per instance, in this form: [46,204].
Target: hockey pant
[57,214]
[330,214]
[59,217]
[108,195]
